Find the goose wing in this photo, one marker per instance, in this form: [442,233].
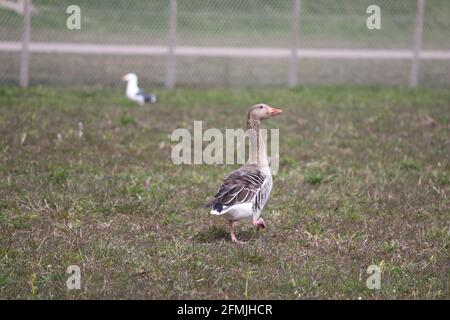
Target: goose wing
[241,186]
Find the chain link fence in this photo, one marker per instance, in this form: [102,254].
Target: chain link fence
[232,43]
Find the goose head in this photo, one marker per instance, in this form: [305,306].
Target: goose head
[262,111]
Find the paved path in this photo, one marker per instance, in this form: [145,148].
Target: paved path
[235,52]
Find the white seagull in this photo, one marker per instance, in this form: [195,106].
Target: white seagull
[134,93]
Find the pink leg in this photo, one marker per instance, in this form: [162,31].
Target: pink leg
[233,236]
[259,223]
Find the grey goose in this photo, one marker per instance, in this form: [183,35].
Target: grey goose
[244,191]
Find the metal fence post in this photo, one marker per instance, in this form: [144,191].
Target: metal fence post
[25,52]
[293,62]
[415,62]
[171,59]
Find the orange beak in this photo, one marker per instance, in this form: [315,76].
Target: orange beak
[274,111]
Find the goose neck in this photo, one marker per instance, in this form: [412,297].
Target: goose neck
[258,153]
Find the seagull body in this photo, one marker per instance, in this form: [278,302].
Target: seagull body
[245,191]
[134,93]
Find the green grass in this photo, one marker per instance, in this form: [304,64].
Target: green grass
[364,179]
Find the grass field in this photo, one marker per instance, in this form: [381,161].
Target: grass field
[364,179]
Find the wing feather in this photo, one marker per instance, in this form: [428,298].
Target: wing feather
[241,186]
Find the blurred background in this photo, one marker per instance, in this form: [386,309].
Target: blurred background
[233,43]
